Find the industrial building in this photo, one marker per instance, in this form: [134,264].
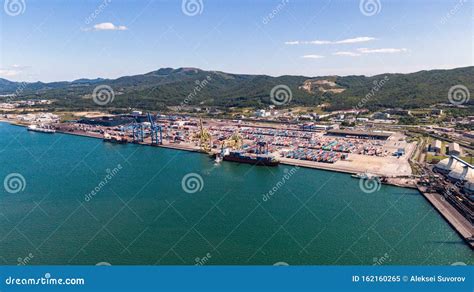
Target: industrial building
[316,127]
[458,172]
[463,173]
[435,146]
[380,116]
[108,121]
[360,134]
[447,165]
[113,121]
[454,149]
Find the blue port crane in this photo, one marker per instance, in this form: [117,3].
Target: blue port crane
[262,147]
[156,132]
[137,132]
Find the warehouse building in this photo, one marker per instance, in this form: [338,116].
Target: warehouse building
[454,149]
[359,134]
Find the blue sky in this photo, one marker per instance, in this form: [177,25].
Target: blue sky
[52,40]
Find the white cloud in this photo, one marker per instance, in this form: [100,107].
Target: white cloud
[12,70]
[312,57]
[16,66]
[109,26]
[356,40]
[324,42]
[9,73]
[317,42]
[349,54]
[382,51]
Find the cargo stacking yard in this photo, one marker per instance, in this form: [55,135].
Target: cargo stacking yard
[351,151]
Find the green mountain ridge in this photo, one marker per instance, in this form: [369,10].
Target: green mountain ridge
[166,87]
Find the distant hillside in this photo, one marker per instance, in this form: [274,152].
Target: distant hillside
[412,90]
[170,87]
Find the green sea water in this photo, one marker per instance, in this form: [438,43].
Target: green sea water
[82,201]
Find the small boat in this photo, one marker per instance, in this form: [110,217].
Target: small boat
[365,175]
[35,128]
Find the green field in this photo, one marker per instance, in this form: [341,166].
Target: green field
[430,158]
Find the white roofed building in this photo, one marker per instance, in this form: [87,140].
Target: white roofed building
[454,149]
[436,146]
[447,165]
[461,173]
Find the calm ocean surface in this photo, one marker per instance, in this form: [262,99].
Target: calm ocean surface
[70,212]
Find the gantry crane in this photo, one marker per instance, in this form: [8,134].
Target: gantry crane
[205,139]
[137,132]
[156,131]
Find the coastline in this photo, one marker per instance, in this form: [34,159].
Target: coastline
[285,161]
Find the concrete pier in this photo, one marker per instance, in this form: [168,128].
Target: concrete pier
[454,218]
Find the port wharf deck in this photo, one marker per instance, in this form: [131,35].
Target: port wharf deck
[399,182]
[452,216]
[381,166]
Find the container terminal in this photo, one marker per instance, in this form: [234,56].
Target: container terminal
[384,153]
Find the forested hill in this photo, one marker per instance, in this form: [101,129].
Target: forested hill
[170,87]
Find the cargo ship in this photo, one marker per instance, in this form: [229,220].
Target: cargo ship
[255,159]
[35,128]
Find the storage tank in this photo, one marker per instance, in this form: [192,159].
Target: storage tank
[461,173]
[446,165]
